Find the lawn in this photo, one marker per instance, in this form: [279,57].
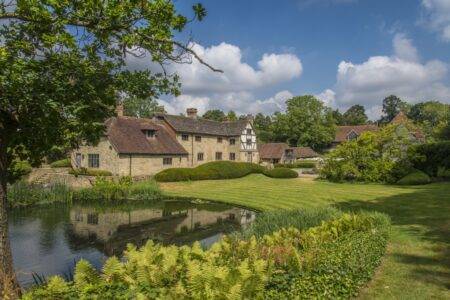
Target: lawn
[417,265]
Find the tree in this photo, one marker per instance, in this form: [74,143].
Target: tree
[431,116]
[338,117]
[355,115]
[62,67]
[392,105]
[231,116]
[307,122]
[214,115]
[263,128]
[140,107]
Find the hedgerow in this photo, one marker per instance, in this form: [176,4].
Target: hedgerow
[332,260]
[62,163]
[415,178]
[306,164]
[89,172]
[281,173]
[212,170]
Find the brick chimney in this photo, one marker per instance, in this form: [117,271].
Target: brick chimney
[191,113]
[119,110]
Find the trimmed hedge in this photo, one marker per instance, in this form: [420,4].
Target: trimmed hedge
[430,157]
[281,173]
[211,170]
[415,178]
[332,260]
[62,163]
[307,164]
[89,172]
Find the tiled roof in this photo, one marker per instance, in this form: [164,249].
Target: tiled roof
[342,132]
[203,126]
[304,152]
[127,136]
[272,150]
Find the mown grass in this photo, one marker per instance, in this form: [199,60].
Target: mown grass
[417,265]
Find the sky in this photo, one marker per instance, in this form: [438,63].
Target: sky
[344,52]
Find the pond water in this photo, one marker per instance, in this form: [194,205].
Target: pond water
[49,240]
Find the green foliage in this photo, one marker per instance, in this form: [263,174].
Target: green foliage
[373,157]
[214,115]
[211,170]
[89,172]
[430,157]
[301,219]
[307,122]
[443,173]
[22,194]
[304,164]
[63,163]
[18,169]
[231,116]
[281,173]
[355,115]
[432,117]
[140,107]
[392,105]
[415,178]
[333,259]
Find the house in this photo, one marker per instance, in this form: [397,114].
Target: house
[140,146]
[351,132]
[282,153]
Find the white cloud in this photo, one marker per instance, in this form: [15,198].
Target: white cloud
[437,17]
[234,89]
[401,74]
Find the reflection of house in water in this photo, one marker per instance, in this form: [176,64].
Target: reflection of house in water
[113,230]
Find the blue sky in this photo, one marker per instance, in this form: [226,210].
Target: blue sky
[343,51]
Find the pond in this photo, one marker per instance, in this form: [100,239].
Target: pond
[49,240]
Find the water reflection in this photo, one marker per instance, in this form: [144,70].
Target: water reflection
[48,241]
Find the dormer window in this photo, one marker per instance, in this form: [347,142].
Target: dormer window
[352,135]
[150,134]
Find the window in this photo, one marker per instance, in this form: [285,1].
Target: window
[249,131]
[232,156]
[150,133]
[185,137]
[167,160]
[232,141]
[198,138]
[200,156]
[219,140]
[93,161]
[218,155]
[352,135]
[249,142]
[92,218]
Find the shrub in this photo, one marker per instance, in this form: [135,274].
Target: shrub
[415,178]
[24,194]
[121,190]
[429,157]
[332,260]
[62,163]
[90,172]
[281,173]
[212,170]
[443,173]
[306,164]
[18,169]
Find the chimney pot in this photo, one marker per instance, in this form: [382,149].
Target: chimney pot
[191,112]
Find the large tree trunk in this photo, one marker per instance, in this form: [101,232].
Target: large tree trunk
[9,287]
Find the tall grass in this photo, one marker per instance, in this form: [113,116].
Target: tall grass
[22,194]
[302,219]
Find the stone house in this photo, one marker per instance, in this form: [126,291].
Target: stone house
[282,153]
[140,146]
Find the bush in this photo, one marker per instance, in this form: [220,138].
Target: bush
[89,172]
[212,170]
[415,178]
[443,173]
[305,164]
[429,157]
[281,173]
[18,169]
[121,190]
[332,260]
[22,194]
[62,163]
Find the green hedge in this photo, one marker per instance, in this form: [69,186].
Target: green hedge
[415,178]
[306,164]
[212,170]
[281,173]
[332,260]
[431,156]
[90,172]
[63,163]
[443,173]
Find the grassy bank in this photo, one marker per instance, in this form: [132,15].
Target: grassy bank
[417,265]
[22,194]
